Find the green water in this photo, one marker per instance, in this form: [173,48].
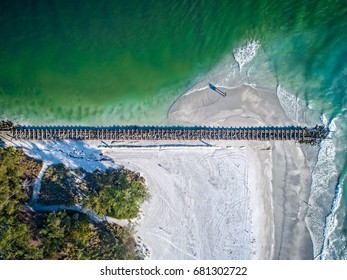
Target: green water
[77,60]
[69,61]
[124,62]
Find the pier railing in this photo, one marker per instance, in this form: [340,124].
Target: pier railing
[152,133]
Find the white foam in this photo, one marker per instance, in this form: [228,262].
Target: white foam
[289,103]
[323,172]
[324,120]
[331,224]
[194,89]
[334,242]
[246,53]
[332,125]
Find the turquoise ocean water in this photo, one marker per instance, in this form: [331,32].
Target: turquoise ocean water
[125,62]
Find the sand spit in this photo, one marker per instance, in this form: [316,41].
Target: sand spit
[282,202]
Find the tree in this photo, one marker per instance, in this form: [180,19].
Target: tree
[14,233]
[25,234]
[119,198]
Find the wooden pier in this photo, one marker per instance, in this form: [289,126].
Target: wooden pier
[298,134]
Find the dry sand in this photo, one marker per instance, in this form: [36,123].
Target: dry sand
[202,205]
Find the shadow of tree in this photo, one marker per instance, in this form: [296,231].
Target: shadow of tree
[72,153]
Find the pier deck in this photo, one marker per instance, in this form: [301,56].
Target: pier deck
[298,134]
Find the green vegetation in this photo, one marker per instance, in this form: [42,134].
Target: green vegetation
[115,193]
[29,169]
[26,234]
[56,187]
[15,233]
[69,235]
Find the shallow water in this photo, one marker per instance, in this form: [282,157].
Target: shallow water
[125,62]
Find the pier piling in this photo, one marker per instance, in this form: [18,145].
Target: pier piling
[297,134]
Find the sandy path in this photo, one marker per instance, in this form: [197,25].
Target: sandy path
[37,184]
[94,217]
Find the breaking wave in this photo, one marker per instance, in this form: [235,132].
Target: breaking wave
[329,248]
[334,241]
[322,175]
[288,102]
[246,53]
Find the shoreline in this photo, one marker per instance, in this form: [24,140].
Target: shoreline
[288,195]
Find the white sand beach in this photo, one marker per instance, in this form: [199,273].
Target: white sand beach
[202,205]
[284,188]
[217,200]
